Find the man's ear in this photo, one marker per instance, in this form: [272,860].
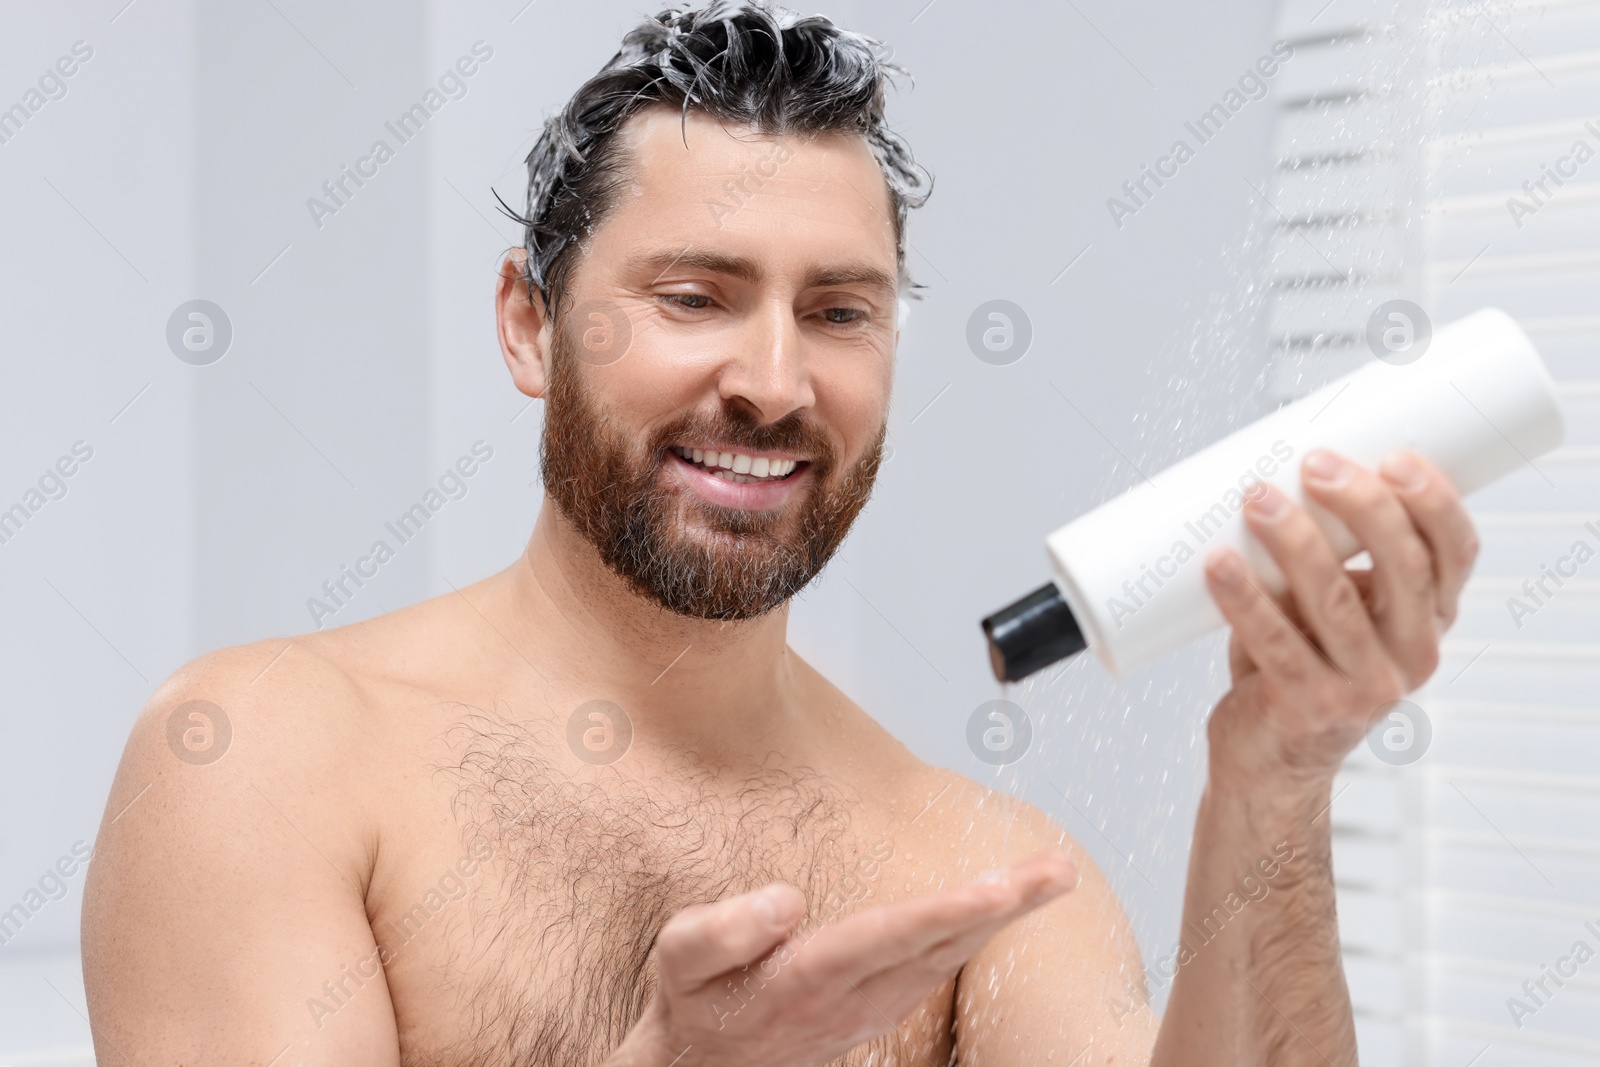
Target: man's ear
[523,326]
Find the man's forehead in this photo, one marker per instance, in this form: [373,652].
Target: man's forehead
[696,175]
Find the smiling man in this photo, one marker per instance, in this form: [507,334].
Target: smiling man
[592,809]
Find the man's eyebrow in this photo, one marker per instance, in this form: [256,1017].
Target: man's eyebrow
[852,274]
[657,263]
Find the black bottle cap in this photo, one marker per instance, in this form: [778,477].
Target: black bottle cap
[1031,634]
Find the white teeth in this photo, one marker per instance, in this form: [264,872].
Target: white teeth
[736,466]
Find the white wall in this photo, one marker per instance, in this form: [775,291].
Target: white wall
[98,248]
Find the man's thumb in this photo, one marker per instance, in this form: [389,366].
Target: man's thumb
[704,941]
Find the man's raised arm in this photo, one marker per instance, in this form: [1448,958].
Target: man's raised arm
[1310,674]
[1257,976]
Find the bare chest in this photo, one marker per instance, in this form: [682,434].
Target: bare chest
[532,942]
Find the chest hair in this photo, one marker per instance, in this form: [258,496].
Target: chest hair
[554,957]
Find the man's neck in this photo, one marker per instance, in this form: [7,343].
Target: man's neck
[727,688]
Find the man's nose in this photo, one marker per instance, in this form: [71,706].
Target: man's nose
[768,370]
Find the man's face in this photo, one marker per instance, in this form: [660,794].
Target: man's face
[736,306]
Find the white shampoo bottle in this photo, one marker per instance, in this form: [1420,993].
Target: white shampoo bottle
[1130,575]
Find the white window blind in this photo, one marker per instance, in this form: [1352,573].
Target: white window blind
[1468,878]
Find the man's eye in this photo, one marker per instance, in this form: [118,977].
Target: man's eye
[687,300]
[843,316]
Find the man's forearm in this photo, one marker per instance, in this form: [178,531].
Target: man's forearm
[1258,977]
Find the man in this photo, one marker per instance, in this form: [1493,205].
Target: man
[593,810]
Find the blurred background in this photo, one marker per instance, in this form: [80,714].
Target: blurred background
[1341,154]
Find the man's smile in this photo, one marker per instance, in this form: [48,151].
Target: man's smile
[749,480]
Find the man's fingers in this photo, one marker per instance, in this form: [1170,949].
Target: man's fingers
[704,941]
[825,978]
[1436,509]
[954,923]
[895,990]
[1262,630]
[1403,580]
[1328,602]
[1239,661]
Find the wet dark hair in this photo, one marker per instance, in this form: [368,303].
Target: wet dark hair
[743,61]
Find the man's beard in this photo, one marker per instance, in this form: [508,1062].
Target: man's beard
[739,567]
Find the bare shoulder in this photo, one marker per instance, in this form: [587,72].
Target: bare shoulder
[233,855]
[990,827]
[979,826]
[961,828]
[957,828]
[1056,973]
[275,706]
[309,706]
[235,748]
